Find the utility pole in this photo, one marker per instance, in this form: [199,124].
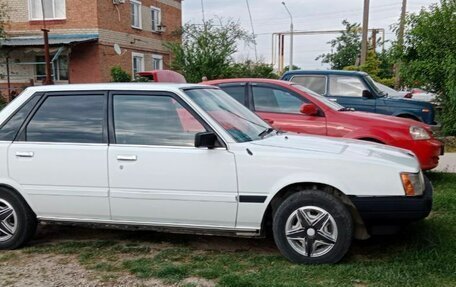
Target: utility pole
[47,56]
[400,42]
[202,11]
[365,32]
[253,30]
[290,68]
[374,39]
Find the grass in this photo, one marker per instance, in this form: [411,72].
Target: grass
[424,254]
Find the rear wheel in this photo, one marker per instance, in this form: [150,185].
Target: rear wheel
[312,226]
[17,222]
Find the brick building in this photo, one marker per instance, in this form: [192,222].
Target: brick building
[82,36]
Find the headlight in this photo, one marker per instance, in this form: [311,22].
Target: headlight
[413,183]
[419,133]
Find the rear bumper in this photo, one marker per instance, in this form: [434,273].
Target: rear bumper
[394,210]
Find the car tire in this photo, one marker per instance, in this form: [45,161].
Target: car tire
[313,222]
[17,221]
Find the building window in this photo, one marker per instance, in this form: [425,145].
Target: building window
[157,62]
[136,21]
[59,68]
[53,9]
[137,63]
[156,18]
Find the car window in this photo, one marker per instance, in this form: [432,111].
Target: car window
[9,129]
[346,86]
[267,99]
[241,123]
[314,83]
[70,118]
[153,120]
[236,91]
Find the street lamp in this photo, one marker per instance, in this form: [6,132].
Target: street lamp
[290,68]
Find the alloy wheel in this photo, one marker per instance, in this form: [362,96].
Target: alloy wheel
[311,231]
[8,220]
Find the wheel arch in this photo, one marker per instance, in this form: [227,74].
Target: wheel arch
[407,115]
[15,190]
[282,194]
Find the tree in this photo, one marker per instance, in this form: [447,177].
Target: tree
[347,48]
[206,50]
[429,58]
[249,69]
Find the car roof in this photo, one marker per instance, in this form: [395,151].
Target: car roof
[325,72]
[241,80]
[115,86]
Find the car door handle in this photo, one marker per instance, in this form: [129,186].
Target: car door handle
[24,154]
[269,121]
[333,100]
[127,158]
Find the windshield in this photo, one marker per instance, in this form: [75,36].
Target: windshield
[374,86]
[242,124]
[333,105]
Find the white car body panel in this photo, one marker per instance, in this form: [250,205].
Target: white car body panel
[188,186]
[175,185]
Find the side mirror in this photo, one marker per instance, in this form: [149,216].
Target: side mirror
[309,110]
[205,139]
[367,94]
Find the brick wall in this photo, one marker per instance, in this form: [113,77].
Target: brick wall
[80,14]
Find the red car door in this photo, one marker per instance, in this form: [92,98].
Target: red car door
[282,107]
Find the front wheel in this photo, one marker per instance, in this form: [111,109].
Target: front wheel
[312,226]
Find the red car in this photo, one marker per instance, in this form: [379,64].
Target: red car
[291,107]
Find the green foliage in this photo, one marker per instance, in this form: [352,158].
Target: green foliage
[429,58]
[287,67]
[206,50]
[347,48]
[372,67]
[2,102]
[249,69]
[118,75]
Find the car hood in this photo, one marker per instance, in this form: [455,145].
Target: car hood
[338,148]
[405,102]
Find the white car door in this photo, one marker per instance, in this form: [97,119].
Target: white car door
[157,176]
[60,157]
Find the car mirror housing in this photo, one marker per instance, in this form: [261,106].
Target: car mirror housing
[367,94]
[309,110]
[206,139]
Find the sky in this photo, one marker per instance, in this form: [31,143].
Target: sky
[270,16]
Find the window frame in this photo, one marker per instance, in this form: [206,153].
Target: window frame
[136,2]
[159,22]
[177,98]
[313,75]
[272,86]
[21,135]
[242,85]
[30,12]
[133,56]
[157,57]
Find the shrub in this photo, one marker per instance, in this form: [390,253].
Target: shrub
[118,75]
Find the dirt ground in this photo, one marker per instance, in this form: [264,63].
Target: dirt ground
[23,269]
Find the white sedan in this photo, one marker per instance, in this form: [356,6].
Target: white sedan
[189,158]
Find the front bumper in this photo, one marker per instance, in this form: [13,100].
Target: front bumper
[428,152]
[394,210]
